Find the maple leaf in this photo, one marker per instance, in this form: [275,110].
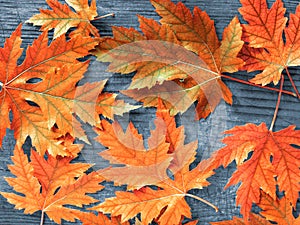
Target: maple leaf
[61,18]
[174,135]
[275,210]
[274,161]
[166,68]
[100,219]
[266,50]
[197,33]
[166,204]
[53,99]
[128,149]
[167,150]
[150,202]
[49,185]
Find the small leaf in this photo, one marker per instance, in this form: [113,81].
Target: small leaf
[266,49]
[100,219]
[61,18]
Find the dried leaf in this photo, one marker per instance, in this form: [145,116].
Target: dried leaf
[276,210]
[266,50]
[273,161]
[142,167]
[166,204]
[50,185]
[166,150]
[42,92]
[100,219]
[197,33]
[166,68]
[61,18]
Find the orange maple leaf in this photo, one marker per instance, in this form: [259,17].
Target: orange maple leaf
[61,18]
[274,161]
[197,33]
[100,219]
[50,185]
[166,68]
[128,149]
[275,210]
[165,204]
[42,92]
[174,135]
[265,49]
[167,150]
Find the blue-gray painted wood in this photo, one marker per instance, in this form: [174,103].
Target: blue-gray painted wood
[250,105]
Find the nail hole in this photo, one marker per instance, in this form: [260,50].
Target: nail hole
[31,103]
[34,80]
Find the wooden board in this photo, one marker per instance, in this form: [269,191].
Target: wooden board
[250,104]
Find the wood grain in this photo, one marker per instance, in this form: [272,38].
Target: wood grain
[250,104]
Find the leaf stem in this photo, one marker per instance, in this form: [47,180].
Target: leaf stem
[277,104]
[292,82]
[42,218]
[104,16]
[259,86]
[202,200]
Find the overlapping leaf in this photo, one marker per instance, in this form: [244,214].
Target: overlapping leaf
[144,167]
[165,204]
[61,18]
[197,33]
[266,49]
[166,68]
[275,210]
[100,219]
[273,161]
[50,185]
[42,95]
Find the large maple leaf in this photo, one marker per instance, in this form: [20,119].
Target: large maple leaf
[167,202]
[42,92]
[101,219]
[166,68]
[274,161]
[165,144]
[266,49]
[50,185]
[128,149]
[61,18]
[275,210]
